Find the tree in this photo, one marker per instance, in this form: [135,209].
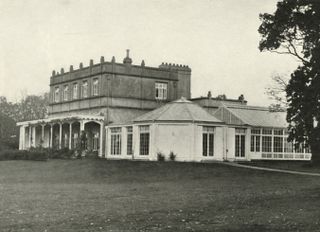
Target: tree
[294,29]
[33,107]
[30,107]
[277,93]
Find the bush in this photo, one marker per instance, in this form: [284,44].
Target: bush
[172,156]
[160,156]
[23,155]
[64,153]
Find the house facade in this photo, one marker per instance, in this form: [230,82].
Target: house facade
[126,111]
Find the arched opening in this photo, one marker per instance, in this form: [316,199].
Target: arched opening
[92,131]
[75,133]
[55,136]
[38,142]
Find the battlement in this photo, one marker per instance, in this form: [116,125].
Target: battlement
[173,66]
[165,70]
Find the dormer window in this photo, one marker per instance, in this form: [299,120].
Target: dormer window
[161,90]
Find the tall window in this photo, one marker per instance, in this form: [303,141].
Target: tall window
[266,140]
[84,89]
[95,87]
[129,141]
[208,141]
[240,145]
[65,92]
[255,140]
[144,140]
[75,91]
[161,90]
[278,140]
[56,95]
[115,141]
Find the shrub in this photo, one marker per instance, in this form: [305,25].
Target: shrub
[172,156]
[23,155]
[64,153]
[160,156]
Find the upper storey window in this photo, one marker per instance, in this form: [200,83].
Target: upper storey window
[84,89]
[56,94]
[161,90]
[65,92]
[95,87]
[75,91]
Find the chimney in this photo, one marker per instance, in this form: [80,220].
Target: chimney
[127,59]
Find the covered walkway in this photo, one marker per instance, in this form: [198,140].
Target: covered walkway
[63,132]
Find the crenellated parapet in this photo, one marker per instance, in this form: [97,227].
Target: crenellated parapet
[173,66]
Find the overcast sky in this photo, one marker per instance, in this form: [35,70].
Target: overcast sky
[218,39]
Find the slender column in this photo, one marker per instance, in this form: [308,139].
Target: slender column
[30,135]
[70,135]
[101,139]
[82,126]
[22,138]
[34,136]
[51,135]
[60,135]
[42,134]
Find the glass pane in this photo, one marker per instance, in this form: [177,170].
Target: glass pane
[211,144]
[204,144]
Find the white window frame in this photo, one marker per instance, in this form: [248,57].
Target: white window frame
[95,87]
[144,136]
[56,96]
[240,133]
[75,91]
[65,92]
[129,142]
[207,145]
[84,89]
[115,141]
[161,91]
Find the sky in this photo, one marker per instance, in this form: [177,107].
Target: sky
[217,39]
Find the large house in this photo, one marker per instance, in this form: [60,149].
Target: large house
[126,111]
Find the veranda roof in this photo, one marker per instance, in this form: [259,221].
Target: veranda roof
[180,110]
[62,119]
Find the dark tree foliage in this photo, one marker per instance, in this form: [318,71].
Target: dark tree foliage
[294,29]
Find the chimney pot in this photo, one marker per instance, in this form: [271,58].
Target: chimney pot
[81,65]
[101,59]
[71,68]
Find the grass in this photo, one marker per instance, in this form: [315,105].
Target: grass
[303,166]
[101,195]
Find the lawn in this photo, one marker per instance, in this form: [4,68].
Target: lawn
[102,195]
[302,166]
